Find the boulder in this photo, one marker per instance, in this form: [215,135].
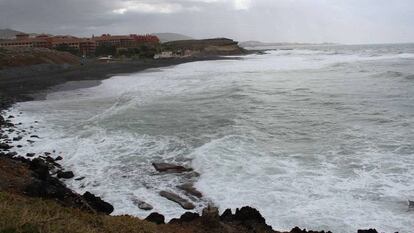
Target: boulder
[30,155]
[18,138]
[177,199]
[5,146]
[156,218]
[142,205]
[172,168]
[186,217]
[65,175]
[189,189]
[58,158]
[80,178]
[97,203]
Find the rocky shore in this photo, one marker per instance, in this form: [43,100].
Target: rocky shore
[27,181]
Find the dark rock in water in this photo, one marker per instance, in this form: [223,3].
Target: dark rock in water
[18,138]
[19,146]
[189,189]
[47,153]
[80,178]
[173,168]
[186,217]
[34,136]
[142,205]
[58,158]
[11,154]
[410,204]
[30,141]
[368,231]
[156,218]
[65,175]
[30,155]
[298,230]
[10,117]
[177,199]
[97,203]
[5,146]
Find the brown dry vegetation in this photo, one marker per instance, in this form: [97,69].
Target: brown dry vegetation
[33,215]
[34,56]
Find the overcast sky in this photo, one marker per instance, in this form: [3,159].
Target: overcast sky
[341,21]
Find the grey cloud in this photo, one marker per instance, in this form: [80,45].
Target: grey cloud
[344,21]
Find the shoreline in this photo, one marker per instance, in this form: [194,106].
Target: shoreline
[30,82]
[35,86]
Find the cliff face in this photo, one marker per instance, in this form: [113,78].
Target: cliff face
[33,56]
[208,47]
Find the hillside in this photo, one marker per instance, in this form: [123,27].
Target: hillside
[167,37]
[34,56]
[207,47]
[6,34]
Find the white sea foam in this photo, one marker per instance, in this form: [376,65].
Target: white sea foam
[303,135]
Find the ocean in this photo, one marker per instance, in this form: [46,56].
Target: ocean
[318,137]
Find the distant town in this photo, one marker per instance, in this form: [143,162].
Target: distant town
[108,46]
[105,44]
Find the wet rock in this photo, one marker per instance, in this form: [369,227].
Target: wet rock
[186,217]
[189,189]
[177,199]
[19,146]
[58,158]
[80,178]
[368,231]
[11,154]
[18,138]
[47,154]
[172,168]
[65,175]
[30,155]
[97,203]
[10,117]
[5,146]
[411,204]
[156,218]
[30,141]
[34,136]
[141,204]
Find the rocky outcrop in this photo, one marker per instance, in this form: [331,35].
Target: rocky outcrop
[190,190]
[177,199]
[97,203]
[207,47]
[156,218]
[142,204]
[170,168]
[33,178]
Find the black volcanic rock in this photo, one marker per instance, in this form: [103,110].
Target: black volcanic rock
[65,175]
[5,146]
[168,167]
[97,203]
[156,218]
[368,231]
[298,230]
[186,217]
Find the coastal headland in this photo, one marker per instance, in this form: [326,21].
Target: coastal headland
[33,196]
